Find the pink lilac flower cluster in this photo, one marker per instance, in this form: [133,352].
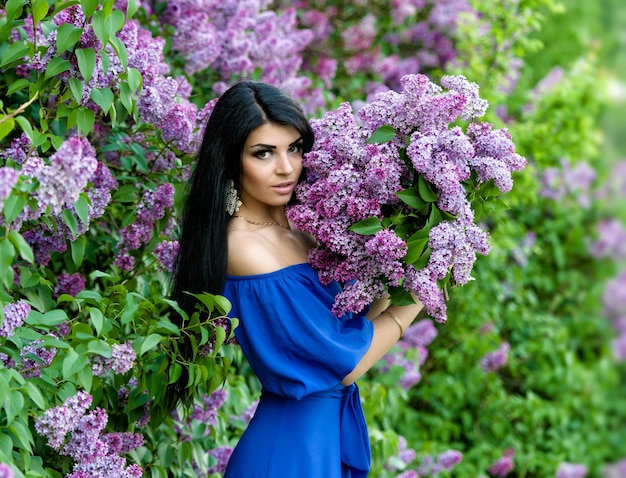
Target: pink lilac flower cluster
[71,170]
[166,252]
[411,352]
[571,470]
[6,471]
[503,466]
[96,454]
[350,180]
[615,470]
[611,240]
[404,455]
[153,206]
[222,455]
[35,357]
[237,38]
[495,360]
[8,179]
[207,411]
[122,360]
[425,28]
[70,284]
[444,461]
[614,301]
[14,316]
[568,182]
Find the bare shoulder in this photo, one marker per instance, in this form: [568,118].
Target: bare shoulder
[251,253]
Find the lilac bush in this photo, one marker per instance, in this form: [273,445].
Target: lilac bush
[399,179]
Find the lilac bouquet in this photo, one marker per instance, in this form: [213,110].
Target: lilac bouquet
[393,192]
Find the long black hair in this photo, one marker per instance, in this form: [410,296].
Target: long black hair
[203,245]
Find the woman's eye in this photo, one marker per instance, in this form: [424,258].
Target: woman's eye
[296,148]
[263,154]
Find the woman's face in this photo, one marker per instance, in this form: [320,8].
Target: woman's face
[271,165]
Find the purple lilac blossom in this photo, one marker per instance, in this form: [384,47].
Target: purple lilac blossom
[448,459]
[571,470]
[408,474]
[207,412]
[121,361]
[8,179]
[615,470]
[563,182]
[35,358]
[56,422]
[14,316]
[18,150]
[165,253]
[221,455]
[611,242]
[405,454]
[503,466]
[493,361]
[248,413]
[350,180]
[6,471]
[66,176]
[70,284]
[235,38]
[95,455]
[153,206]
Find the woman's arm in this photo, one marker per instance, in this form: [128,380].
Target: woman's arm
[386,333]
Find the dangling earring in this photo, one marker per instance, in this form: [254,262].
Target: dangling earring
[232,200]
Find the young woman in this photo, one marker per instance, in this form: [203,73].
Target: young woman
[237,242]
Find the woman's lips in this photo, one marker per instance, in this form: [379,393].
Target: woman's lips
[284,188]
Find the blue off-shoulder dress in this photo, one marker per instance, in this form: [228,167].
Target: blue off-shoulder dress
[307,424]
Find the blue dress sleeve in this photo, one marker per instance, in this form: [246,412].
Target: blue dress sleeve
[293,342]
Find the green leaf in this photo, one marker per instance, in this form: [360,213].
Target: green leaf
[86,58]
[89,7]
[367,227]
[7,252]
[100,347]
[103,98]
[131,8]
[148,343]
[13,206]
[415,249]
[100,28]
[67,36]
[78,250]
[39,10]
[16,51]
[175,372]
[85,119]
[134,79]
[126,97]
[73,362]
[383,134]
[18,85]
[97,319]
[412,198]
[70,221]
[76,87]
[13,9]
[81,206]
[56,66]
[35,395]
[6,127]
[425,190]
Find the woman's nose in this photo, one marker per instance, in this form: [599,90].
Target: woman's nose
[284,165]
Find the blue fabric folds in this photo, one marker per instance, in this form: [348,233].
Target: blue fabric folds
[300,352]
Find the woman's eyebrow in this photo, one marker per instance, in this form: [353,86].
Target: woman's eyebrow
[269,146]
